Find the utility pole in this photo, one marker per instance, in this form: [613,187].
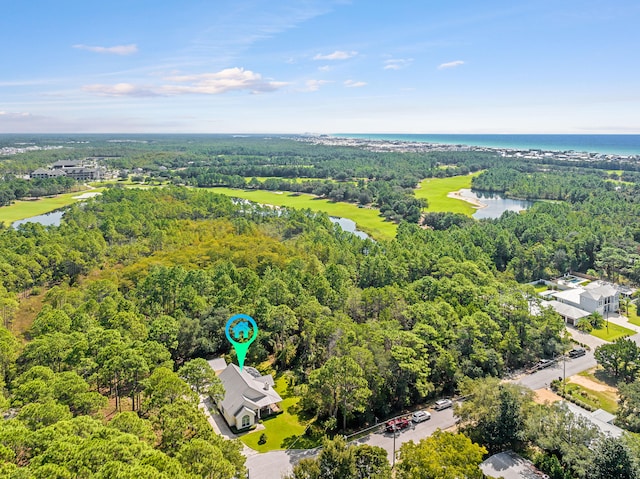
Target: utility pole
[394,448]
[564,371]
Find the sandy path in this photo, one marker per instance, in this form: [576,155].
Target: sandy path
[544,395]
[590,384]
[458,196]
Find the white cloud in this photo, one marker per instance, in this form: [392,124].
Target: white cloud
[230,79]
[354,84]
[444,66]
[337,55]
[397,63]
[324,68]
[11,115]
[223,81]
[119,89]
[116,50]
[314,85]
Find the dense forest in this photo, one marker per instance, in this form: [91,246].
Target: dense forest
[143,280]
[137,284]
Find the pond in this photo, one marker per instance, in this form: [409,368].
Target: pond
[350,226]
[46,219]
[345,223]
[54,218]
[493,204]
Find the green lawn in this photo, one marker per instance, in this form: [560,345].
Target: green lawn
[367,219]
[435,191]
[596,399]
[612,332]
[281,430]
[633,315]
[540,287]
[20,210]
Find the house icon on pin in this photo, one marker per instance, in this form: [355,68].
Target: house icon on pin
[241,330]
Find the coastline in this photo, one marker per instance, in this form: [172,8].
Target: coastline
[603,145]
[458,195]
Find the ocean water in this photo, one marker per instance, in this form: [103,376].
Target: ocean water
[624,145]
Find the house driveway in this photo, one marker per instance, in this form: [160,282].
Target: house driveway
[585,338]
[216,420]
[220,426]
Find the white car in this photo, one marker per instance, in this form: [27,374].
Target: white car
[420,416]
[442,404]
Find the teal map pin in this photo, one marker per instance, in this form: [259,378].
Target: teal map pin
[241,331]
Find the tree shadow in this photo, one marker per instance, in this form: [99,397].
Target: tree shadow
[602,375]
[300,442]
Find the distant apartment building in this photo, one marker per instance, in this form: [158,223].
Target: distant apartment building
[71,168]
[47,173]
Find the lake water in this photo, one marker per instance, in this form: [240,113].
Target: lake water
[47,219]
[350,226]
[496,204]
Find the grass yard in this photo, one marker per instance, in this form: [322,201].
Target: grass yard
[633,315]
[435,191]
[26,209]
[612,332]
[539,288]
[281,430]
[597,399]
[367,219]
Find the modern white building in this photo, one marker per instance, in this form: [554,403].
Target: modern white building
[248,396]
[596,297]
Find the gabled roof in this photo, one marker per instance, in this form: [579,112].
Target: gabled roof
[598,291]
[67,163]
[244,390]
[217,364]
[604,427]
[509,465]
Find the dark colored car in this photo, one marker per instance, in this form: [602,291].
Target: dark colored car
[577,352]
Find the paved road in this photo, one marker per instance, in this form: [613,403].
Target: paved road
[558,370]
[273,465]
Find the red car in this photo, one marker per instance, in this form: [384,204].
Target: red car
[397,424]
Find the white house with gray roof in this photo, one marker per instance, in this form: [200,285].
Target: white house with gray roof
[595,297]
[248,396]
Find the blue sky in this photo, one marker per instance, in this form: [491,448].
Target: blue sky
[330,66]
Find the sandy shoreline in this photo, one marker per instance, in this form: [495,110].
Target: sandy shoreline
[87,195]
[458,196]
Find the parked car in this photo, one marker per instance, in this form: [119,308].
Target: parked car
[397,424]
[420,416]
[577,352]
[442,404]
[543,363]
